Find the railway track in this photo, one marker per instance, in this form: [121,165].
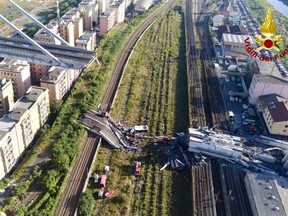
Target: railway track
[71,195]
[69,200]
[203,202]
[126,52]
[214,93]
[232,181]
[197,113]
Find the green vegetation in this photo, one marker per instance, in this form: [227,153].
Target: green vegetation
[63,139]
[86,204]
[154,77]
[153,89]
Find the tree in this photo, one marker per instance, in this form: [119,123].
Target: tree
[50,180]
[22,188]
[62,161]
[86,204]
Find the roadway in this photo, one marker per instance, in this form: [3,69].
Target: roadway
[23,50]
[78,176]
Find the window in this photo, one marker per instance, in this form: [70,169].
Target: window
[286,126]
[284,130]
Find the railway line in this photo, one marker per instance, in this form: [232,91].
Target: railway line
[234,192]
[202,192]
[196,112]
[69,200]
[214,93]
[71,195]
[120,65]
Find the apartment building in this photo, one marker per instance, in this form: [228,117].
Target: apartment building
[87,41]
[20,125]
[142,5]
[89,13]
[103,5]
[66,30]
[75,16]
[119,8]
[44,37]
[6,96]
[59,81]
[107,21]
[265,84]
[274,109]
[19,73]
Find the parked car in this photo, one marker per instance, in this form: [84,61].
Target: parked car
[96,178]
[138,168]
[100,193]
[106,169]
[109,193]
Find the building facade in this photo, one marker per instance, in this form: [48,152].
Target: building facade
[119,8]
[20,125]
[107,20]
[19,73]
[274,109]
[265,85]
[87,41]
[89,13]
[235,44]
[6,96]
[59,81]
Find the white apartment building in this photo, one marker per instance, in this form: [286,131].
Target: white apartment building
[59,81]
[119,8]
[6,96]
[20,125]
[19,72]
[89,13]
[87,41]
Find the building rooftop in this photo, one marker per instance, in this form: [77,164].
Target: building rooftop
[8,121]
[85,37]
[54,74]
[218,18]
[13,65]
[268,201]
[278,111]
[107,13]
[116,4]
[267,67]
[270,79]
[238,29]
[24,103]
[265,100]
[232,38]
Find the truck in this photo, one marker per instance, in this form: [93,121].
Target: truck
[103,181]
[100,193]
[138,168]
